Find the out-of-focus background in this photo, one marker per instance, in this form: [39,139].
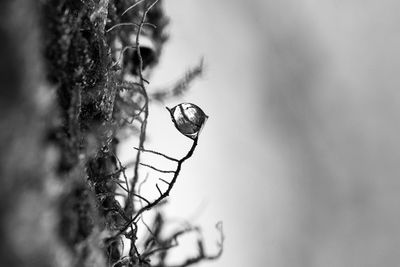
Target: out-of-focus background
[300,157]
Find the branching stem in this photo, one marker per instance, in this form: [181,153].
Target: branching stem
[166,193]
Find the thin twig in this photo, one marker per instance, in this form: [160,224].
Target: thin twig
[142,198]
[122,24]
[123,171]
[148,229]
[146,81]
[130,24]
[120,185]
[202,255]
[157,153]
[133,246]
[156,169]
[142,183]
[109,194]
[159,190]
[132,6]
[121,54]
[162,180]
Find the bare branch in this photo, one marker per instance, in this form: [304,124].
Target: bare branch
[120,185]
[156,169]
[162,180]
[159,190]
[142,198]
[157,153]
[166,193]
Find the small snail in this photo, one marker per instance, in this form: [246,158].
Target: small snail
[188,118]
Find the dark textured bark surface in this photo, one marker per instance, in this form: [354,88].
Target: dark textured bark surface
[64,97]
[48,213]
[57,100]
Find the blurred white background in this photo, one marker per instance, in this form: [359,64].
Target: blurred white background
[300,156]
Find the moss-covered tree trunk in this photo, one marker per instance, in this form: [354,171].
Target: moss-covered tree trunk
[71,79]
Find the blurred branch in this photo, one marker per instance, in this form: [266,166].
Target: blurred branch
[202,255]
[181,86]
[131,7]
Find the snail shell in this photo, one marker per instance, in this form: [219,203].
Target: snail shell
[188,118]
